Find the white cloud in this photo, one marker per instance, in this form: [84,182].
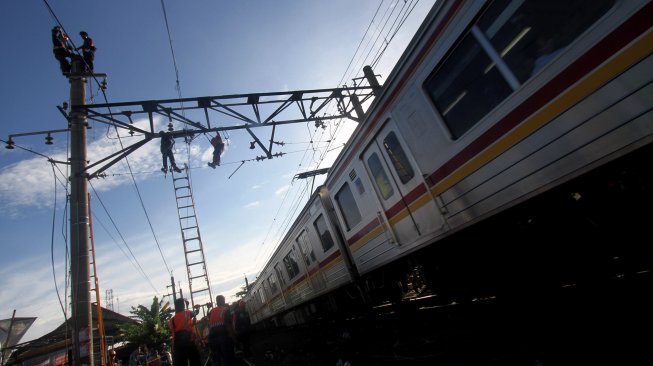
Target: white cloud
[282,190]
[253,204]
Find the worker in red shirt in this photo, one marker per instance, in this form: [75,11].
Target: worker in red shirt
[88,50]
[218,148]
[182,327]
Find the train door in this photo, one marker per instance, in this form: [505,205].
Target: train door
[407,204]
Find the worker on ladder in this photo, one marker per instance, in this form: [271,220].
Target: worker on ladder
[167,145]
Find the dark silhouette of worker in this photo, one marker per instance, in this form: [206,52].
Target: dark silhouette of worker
[88,51]
[242,327]
[167,145]
[182,327]
[218,148]
[61,49]
[221,333]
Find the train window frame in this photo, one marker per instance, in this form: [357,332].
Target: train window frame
[348,206]
[261,294]
[279,273]
[272,283]
[463,97]
[320,235]
[291,264]
[397,154]
[305,247]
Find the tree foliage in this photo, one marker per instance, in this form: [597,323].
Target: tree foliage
[152,329]
[244,289]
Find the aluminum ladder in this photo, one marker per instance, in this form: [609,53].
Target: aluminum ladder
[198,277]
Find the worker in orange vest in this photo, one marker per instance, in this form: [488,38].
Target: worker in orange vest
[61,48]
[182,327]
[221,333]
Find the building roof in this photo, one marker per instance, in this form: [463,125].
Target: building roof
[60,338]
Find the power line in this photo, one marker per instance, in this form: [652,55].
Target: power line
[139,267]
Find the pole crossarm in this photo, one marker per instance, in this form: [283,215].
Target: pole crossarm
[311,173]
[115,157]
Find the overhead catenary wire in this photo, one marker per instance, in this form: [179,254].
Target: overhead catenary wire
[333,134]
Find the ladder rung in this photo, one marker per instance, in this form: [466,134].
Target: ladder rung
[180,207]
[200,276]
[179,178]
[202,290]
[189,239]
[180,197]
[192,251]
[194,264]
[190,227]
[186,217]
[182,187]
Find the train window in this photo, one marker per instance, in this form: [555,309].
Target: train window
[290,261]
[380,177]
[272,283]
[348,206]
[277,270]
[261,295]
[510,42]
[323,233]
[305,248]
[398,158]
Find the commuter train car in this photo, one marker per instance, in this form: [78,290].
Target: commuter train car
[507,153]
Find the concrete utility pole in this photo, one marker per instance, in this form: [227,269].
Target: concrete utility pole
[79,221]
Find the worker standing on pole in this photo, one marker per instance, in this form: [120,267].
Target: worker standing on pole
[88,51]
[61,49]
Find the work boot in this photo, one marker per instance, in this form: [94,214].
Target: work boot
[176,169]
[164,169]
[212,165]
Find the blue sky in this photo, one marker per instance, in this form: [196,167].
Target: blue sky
[220,48]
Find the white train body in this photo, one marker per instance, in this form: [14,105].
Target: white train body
[469,124]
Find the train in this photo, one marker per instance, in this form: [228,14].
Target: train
[508,153]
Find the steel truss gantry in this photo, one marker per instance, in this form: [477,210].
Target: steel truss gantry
[237,111]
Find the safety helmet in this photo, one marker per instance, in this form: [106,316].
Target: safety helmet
[82,33]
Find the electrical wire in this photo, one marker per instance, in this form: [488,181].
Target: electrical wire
[54,216]
[138,265]
[293,207]
[172,51]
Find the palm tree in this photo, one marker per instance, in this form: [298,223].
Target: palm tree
[244,290]
[152,329]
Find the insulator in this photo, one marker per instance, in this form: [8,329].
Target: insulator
[48,139]
[251,145]
[170,127]
[10,144]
